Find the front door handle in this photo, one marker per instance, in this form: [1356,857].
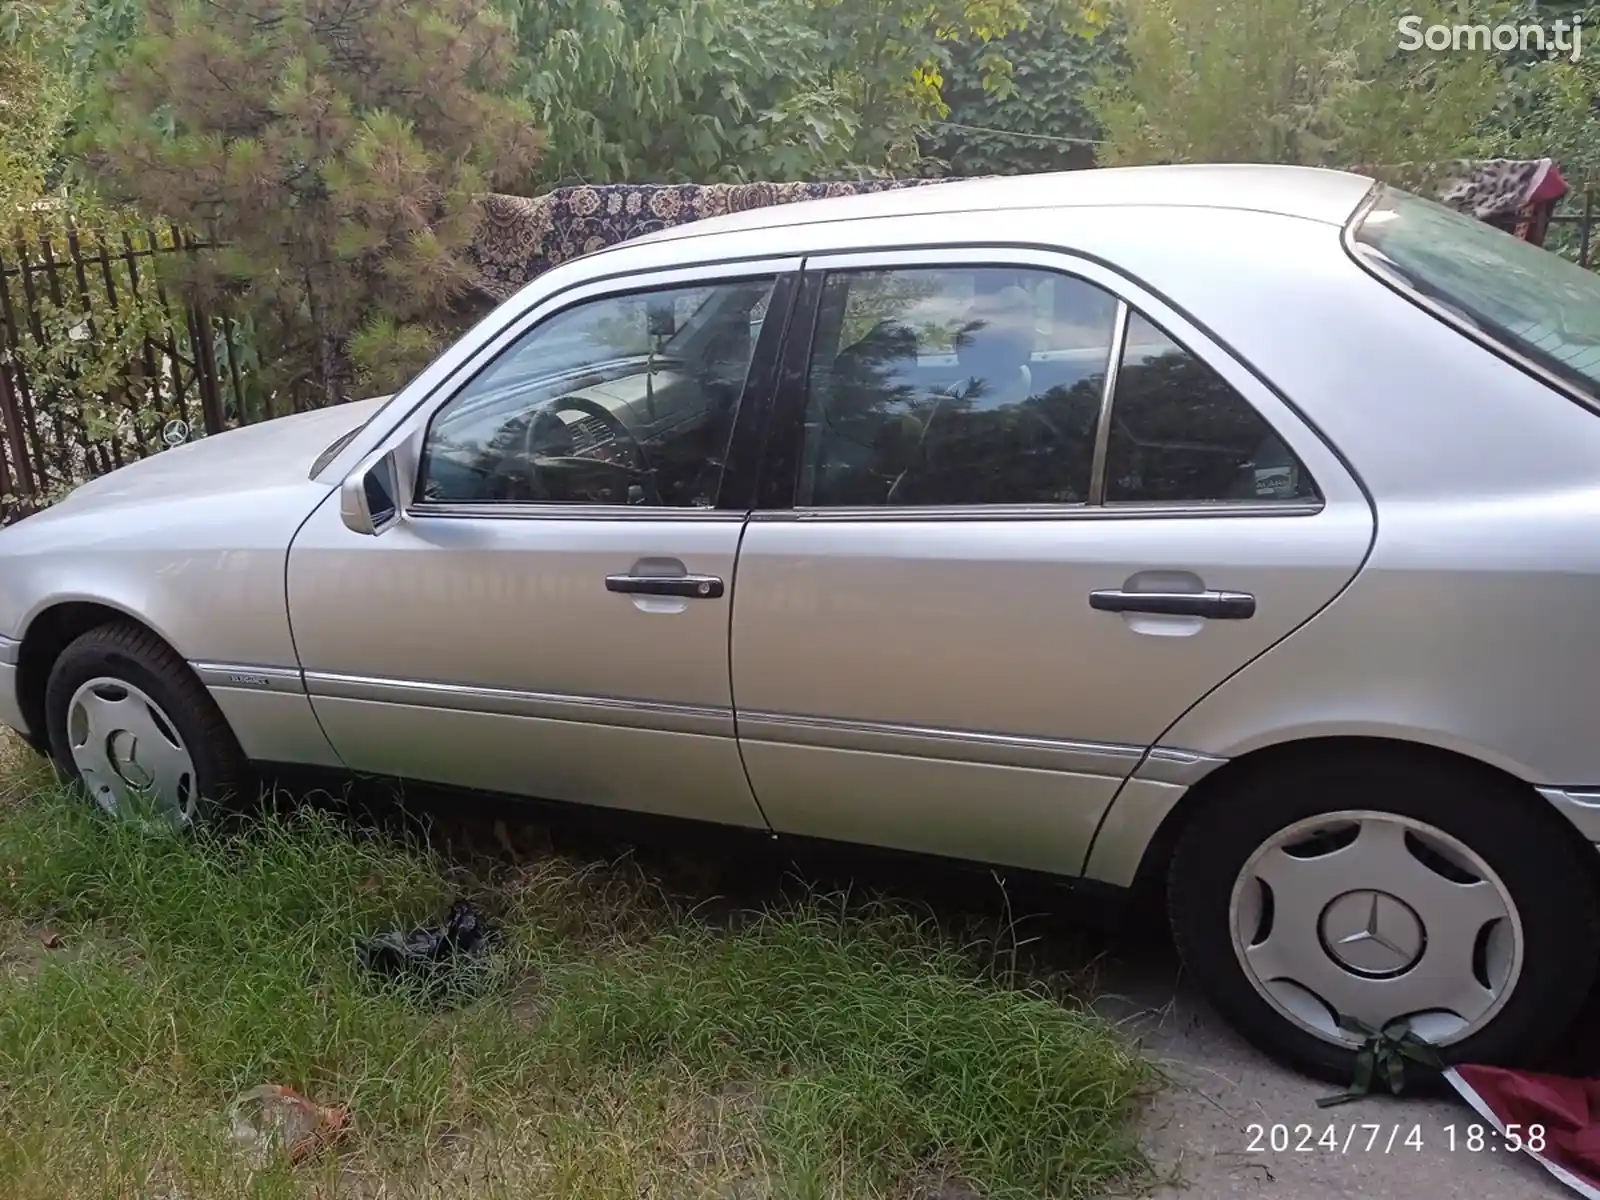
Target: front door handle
[688,587]
[1218,606]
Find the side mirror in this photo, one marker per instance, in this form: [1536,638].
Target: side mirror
[369,498]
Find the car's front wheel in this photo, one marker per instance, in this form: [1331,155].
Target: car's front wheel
[1361,890]
[129,720]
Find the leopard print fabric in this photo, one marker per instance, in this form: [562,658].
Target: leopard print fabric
[1498,187]
[521,237]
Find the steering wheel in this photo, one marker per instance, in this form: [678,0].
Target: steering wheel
[640,471]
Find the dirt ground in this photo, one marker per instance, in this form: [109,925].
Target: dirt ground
[1200,1128]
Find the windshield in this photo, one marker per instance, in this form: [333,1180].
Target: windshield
[1529,300]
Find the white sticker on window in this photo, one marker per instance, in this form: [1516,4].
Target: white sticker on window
[1275,483]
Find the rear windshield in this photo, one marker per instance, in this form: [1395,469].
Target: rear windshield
[1529,300]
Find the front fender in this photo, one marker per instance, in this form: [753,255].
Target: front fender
[207,575]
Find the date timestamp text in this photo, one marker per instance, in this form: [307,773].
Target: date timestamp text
[1378,1138]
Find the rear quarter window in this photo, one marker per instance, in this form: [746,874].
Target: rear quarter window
[1508,292]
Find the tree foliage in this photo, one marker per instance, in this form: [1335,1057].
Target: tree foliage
[333,148]
[674,90]
[49,52]
[85,369]
[708,90]
[78,37]
[1300,81]
[36,99]
[889,56]
[81,363]
[1037,117]
[1553,104]
[1566,122]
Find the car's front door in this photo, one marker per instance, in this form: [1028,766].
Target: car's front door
[549,617]
[1019,515]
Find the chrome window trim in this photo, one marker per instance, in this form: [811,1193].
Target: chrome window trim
[1108,392]
[964,254]
[10,651]
[1131,510]
[536,511]
[1110,279]
[1124,509]
[626,712]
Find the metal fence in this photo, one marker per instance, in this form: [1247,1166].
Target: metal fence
[99,365]
[1572,225]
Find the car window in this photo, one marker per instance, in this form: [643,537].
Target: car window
[1181,433]
[625,399]
[1528,299]
[952,386]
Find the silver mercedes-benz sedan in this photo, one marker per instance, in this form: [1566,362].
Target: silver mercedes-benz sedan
[1233,531]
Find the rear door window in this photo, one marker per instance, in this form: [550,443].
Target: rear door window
[968,386]
[954,386]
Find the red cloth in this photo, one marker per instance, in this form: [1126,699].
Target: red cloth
[1568,1110]
[1549,188]
[1534,215]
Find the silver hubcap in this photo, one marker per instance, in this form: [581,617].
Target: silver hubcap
[1371,916]
[127,749]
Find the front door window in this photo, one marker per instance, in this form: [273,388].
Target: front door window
[622,400]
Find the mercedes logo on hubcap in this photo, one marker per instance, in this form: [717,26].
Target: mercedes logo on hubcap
[1372,933]
[123,750]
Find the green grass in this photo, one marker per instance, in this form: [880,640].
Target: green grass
[621,1045]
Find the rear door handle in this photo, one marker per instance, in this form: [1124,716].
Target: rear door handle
[1218,606]
[689,587]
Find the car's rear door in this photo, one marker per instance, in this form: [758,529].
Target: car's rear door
[550,616]
[971,601]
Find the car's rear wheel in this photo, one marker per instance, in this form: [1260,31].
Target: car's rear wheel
[1352,893]
[128,720]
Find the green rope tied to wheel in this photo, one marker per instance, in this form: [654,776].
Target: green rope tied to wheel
[1384,1055]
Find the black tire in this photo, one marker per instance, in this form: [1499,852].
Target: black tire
[129,652]
[1541,864]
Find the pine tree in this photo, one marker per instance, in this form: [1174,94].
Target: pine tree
[332,149]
